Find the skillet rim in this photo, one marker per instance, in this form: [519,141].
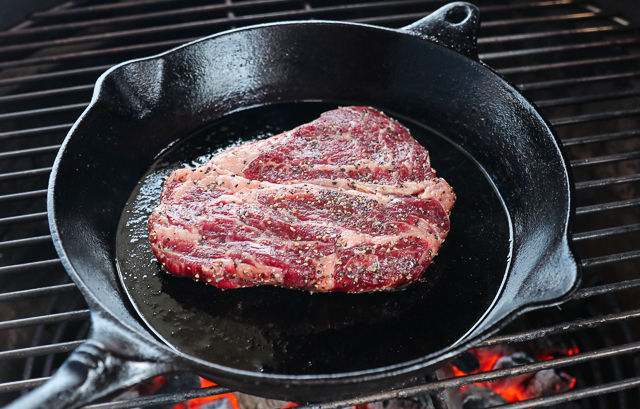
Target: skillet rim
[97,306]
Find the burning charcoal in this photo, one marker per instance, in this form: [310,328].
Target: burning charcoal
[450,397]
[531,385]
[222,403]
[519,358]
[521,387]
[549,381]
[467,363]
[478,397]
[514,388]
[422,401]
[254,402]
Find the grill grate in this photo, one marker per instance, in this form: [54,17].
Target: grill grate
[579,64]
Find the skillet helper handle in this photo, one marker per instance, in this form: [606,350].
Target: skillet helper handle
[90,373]
[454,26]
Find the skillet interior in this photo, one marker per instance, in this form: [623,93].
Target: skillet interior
[282,331]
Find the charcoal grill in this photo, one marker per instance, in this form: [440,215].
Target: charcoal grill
[578,63]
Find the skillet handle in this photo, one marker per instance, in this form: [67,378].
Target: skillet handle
[90,373]
[454,26]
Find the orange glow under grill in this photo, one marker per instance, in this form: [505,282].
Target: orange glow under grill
[513,389]
[517,388]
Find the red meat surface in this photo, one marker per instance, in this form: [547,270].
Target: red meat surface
[348,202]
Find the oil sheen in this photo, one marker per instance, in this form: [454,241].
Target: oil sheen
[282,331]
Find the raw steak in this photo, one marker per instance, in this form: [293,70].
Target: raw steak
[348,202]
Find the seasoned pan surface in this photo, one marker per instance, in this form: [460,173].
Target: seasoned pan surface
[283,331]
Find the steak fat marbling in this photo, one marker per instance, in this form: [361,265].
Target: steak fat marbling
[348,202]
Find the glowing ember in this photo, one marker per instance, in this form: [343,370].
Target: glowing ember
[521,387]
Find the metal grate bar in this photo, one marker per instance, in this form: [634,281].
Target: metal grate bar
[169,398]
[563,328]
[598,234]
[59,348]
[22,385]
[555,49]
[614,258]
[35,265]
[207,23]
[37,292]
[484,376]
[54,75]
[154,30]
[94,53]
[22,196]
[100,7]
[574,394]
[47,93]
[45,319]
[565,82]
[594,117]
[568,64]
[537,20]
[598,160]
[608,206]
[201,9]
[30,21]
[29,152]
[307,12]
[219,21]
[526,5]
[547,34]
[484,24]
[42,111]
[34,217]
[86,39]
[24,174]
[10,244]
[604,289]
[109,36]
[607,181]
[601,138]
[587,98]
[35,131]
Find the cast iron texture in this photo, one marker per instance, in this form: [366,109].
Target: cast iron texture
[141,107]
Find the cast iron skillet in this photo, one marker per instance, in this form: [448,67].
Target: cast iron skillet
[426,74]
